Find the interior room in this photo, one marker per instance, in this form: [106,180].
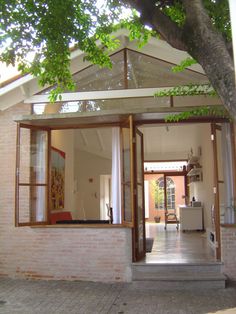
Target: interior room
[87,183]
[87,172]
[191,201]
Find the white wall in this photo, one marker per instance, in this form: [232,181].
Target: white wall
[64,140]
[203,190]
[88,168]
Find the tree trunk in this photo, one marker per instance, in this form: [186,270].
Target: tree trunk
[199,38]
[208,47]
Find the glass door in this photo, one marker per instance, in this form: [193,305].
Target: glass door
[139,230]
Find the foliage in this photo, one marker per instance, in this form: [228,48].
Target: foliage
[176,13]
[157,194]
[198,112]
[44,31]
[187,90]
[38,35]
[183,65]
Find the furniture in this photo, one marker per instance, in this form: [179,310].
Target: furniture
[171,218]
[83,222]
[190,218]
[58,216]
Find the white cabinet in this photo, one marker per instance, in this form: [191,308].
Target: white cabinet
[190,218]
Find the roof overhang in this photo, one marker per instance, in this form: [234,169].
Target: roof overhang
[27,86]
[108,117]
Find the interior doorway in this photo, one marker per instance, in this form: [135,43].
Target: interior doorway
[169,190]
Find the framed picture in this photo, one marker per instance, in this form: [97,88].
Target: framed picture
[57,179]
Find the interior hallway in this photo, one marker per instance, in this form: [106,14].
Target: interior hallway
[172,246]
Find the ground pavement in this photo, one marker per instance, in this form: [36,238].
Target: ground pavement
[48,297]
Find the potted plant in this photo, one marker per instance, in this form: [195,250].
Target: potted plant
[157,219]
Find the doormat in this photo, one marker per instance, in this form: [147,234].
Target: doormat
[149,244]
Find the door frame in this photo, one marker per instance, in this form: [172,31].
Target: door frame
[138,255]
[210,121]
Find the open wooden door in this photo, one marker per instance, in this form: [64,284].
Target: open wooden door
[32,176]
[133,186]
[139,222]
[218,188]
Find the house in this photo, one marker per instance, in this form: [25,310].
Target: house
[69,162]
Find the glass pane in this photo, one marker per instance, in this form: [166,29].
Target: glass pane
[140,217]
[139,163]
[25,154]
[145,71]
[127,203]
[103,105]
[223,206]
[32,204]
[219,155]
[33,156]
[126,155]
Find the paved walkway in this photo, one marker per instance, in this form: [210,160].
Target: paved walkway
[48,297]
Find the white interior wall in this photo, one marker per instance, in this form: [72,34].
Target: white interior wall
[88,168]
[64,140]
[203,190]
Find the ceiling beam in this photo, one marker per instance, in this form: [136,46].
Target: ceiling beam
[99,95]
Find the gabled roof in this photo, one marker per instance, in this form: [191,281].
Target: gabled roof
[26,86]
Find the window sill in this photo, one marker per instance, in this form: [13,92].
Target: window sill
[97,226]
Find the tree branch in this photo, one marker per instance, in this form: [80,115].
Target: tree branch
[151,15]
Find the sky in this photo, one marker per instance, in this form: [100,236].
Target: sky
[7,72]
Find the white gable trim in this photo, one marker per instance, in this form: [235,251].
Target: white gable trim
[25,87]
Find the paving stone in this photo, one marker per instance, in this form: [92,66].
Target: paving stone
[56,297]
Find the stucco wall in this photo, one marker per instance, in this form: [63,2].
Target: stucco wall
[102,254]
[179,192]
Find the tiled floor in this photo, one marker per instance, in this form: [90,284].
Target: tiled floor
[173,246]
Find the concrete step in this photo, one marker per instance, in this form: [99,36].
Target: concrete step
[139,270]
[176,276]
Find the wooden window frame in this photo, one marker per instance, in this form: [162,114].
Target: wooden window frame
[47,185]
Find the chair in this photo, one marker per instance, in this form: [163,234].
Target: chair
[109,213]
[171,218]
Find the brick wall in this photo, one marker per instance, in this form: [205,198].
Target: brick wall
[228,243]
[97,254]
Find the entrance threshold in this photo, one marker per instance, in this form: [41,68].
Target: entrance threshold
[176,247]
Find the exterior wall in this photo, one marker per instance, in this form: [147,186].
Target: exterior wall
[98,254]
[228,248]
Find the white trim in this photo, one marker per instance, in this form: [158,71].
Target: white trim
[96,95]
[12,93]
[16,84]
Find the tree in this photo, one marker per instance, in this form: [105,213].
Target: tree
[50,28]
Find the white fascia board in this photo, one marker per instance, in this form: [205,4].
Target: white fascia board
[99,95]
[17,83]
